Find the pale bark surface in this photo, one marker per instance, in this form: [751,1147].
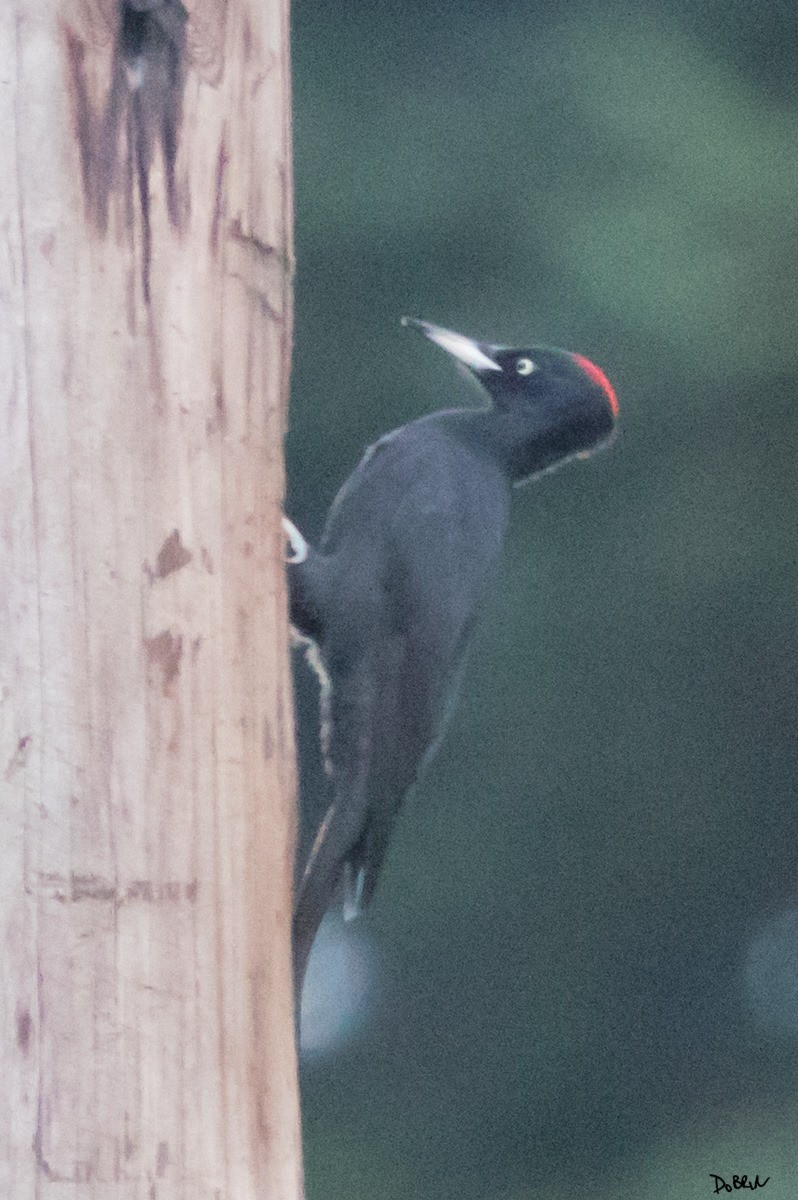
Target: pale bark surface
[146,743]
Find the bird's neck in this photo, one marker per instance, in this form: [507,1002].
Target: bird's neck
[522,442]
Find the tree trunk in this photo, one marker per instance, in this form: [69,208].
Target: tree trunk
[146,741]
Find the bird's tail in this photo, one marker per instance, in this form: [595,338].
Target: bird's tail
[313,898]
[320,881]
[347,714]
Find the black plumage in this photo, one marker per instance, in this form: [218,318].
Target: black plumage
[390,596]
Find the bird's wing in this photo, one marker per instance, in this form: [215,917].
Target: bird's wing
[386,717]
[407,726]
[442,557]
[414,543]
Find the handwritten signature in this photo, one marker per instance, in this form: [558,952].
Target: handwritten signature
[738,1181]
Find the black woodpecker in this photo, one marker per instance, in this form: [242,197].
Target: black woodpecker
[390,595]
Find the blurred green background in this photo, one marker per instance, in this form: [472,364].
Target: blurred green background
[587,929]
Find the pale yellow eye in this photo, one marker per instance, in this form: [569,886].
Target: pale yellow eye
[524,366]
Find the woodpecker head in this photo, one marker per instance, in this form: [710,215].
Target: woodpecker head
[568,402]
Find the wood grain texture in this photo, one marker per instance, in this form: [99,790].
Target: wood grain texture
[146,737]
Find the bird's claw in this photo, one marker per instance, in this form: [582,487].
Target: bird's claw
[299,547]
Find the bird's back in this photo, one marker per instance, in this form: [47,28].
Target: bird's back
[412,538]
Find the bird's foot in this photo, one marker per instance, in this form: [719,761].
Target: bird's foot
[299,547]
